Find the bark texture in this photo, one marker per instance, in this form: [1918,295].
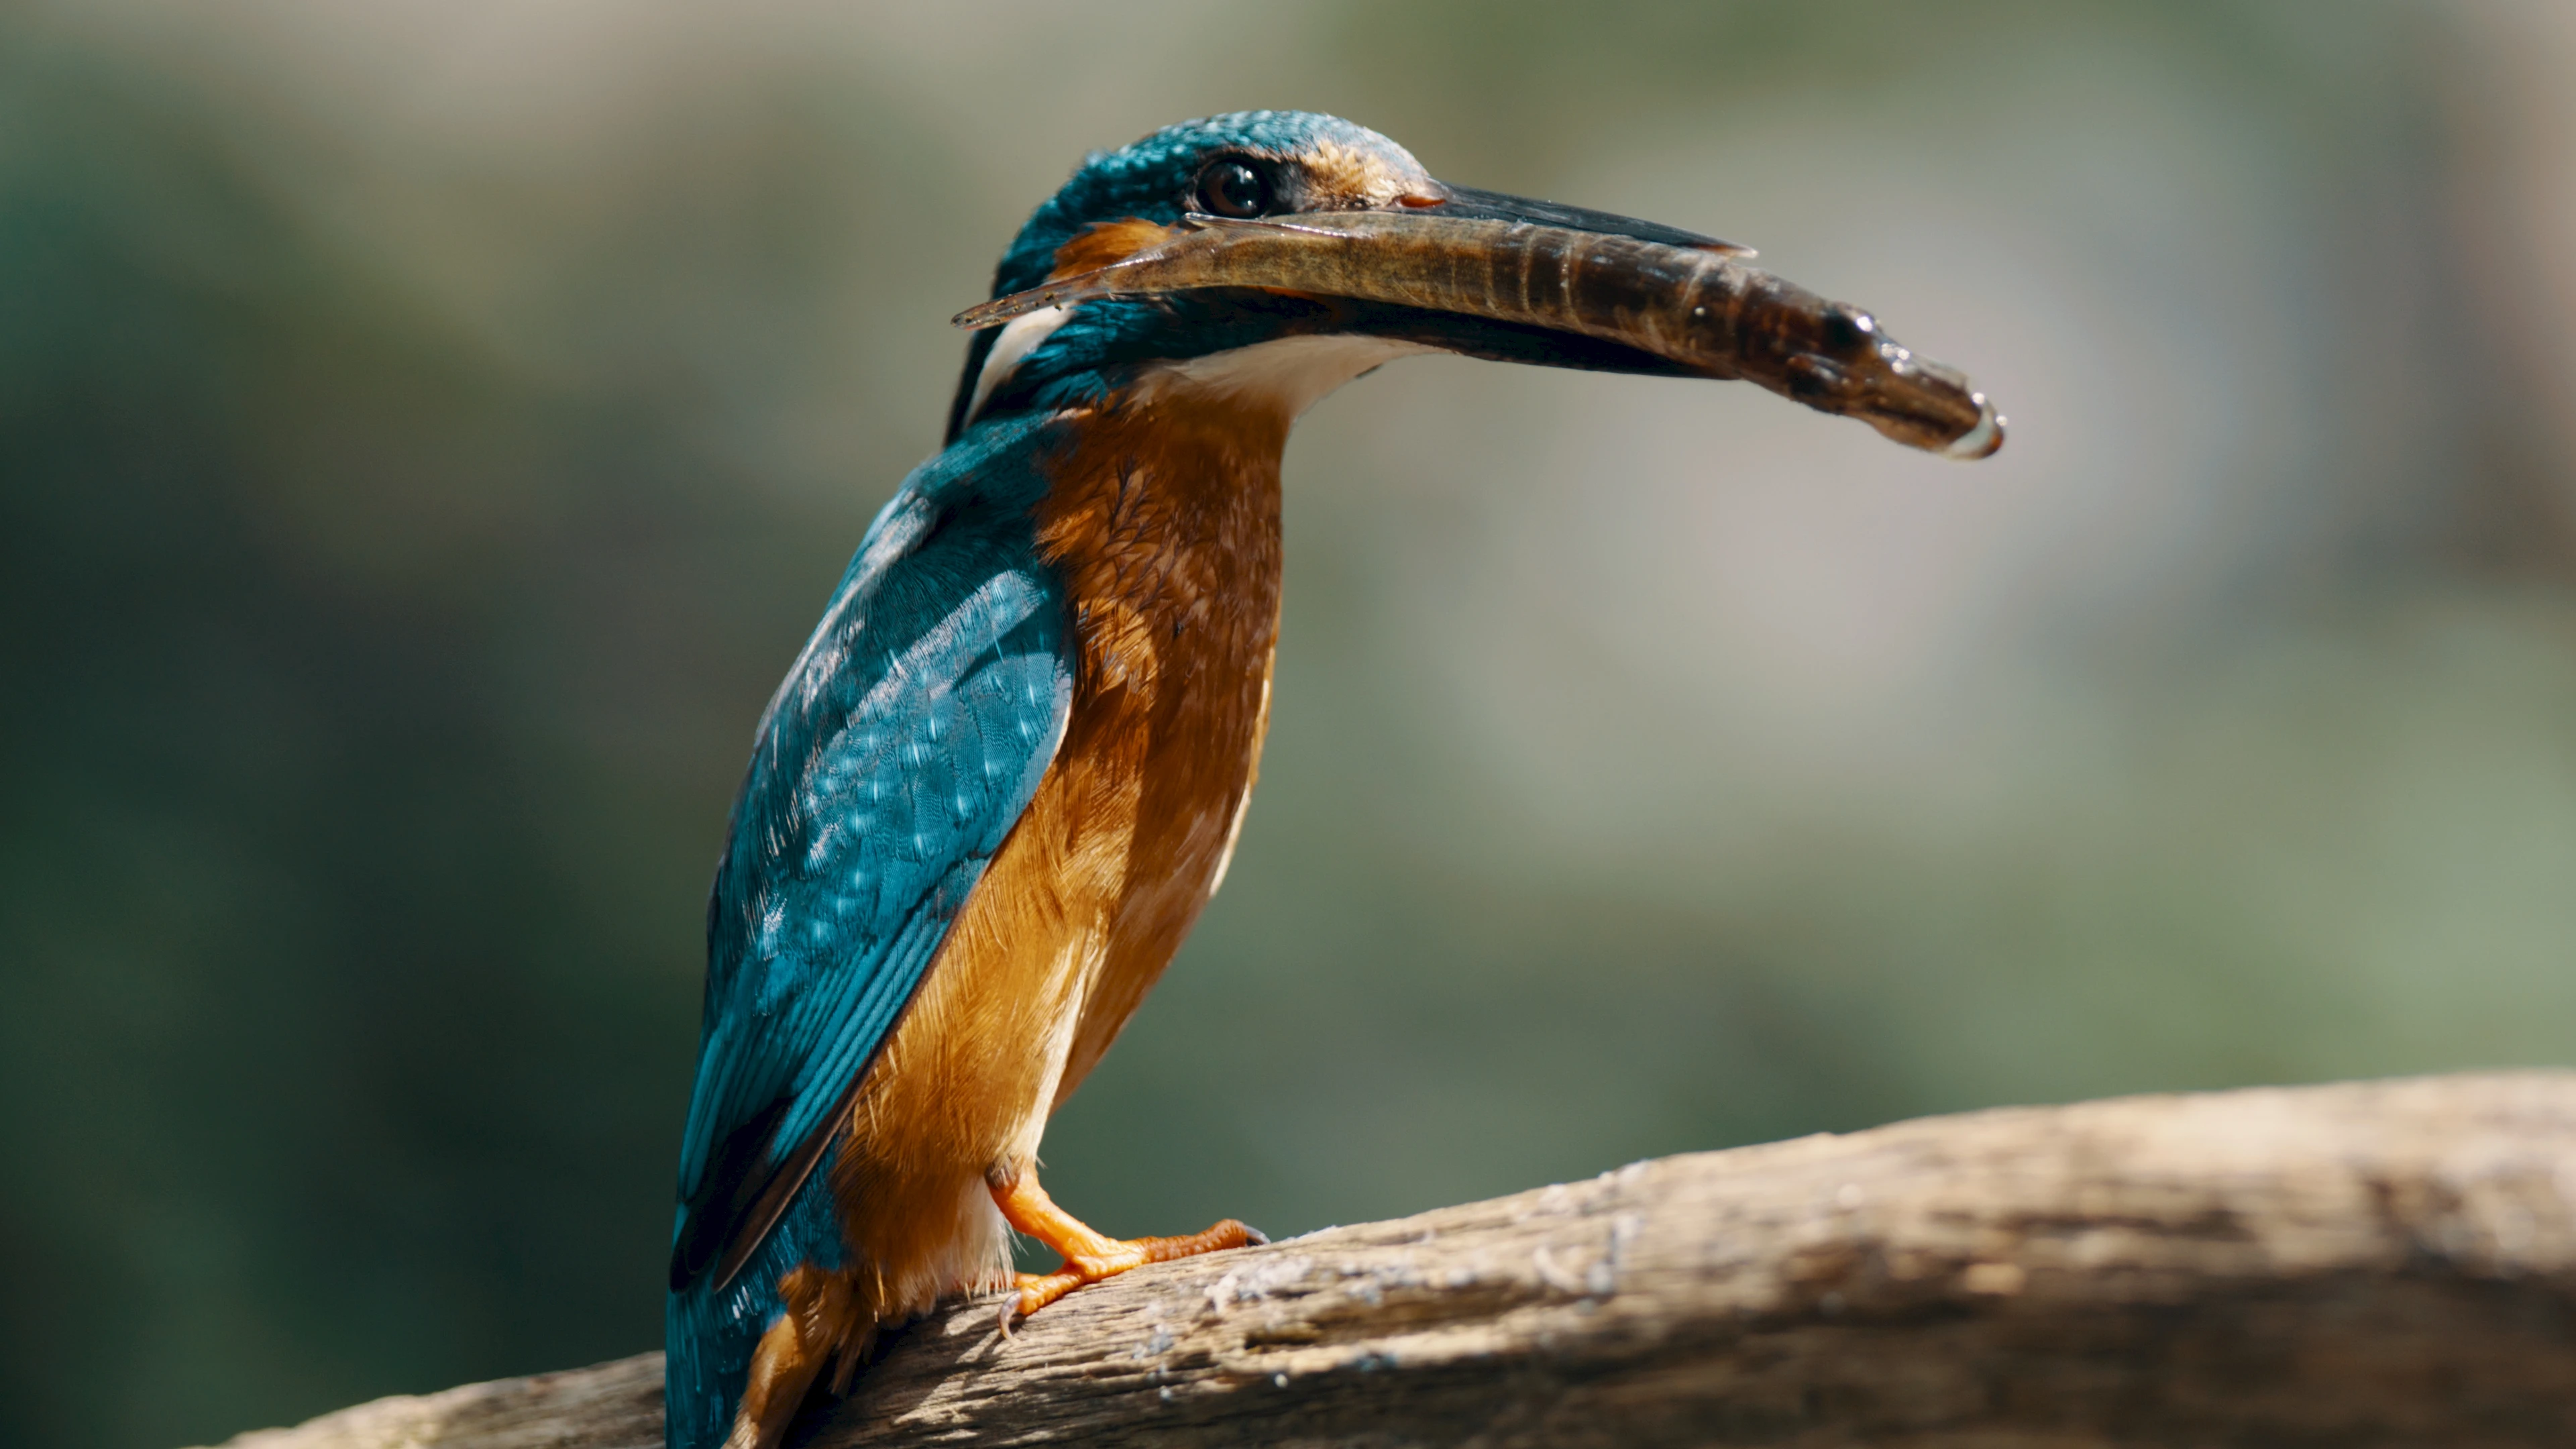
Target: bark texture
[2377,1263]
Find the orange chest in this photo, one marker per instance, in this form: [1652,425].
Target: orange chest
[1163,526]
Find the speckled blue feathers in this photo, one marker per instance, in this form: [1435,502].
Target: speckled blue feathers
[895,758]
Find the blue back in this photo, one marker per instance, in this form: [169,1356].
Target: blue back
[895,758]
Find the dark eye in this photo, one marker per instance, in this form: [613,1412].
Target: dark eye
[1231,188]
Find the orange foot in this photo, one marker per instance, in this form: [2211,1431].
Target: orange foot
[1090,1256]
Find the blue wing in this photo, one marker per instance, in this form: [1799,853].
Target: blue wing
[895,758]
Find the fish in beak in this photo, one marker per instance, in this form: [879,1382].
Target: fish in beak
[1692,304]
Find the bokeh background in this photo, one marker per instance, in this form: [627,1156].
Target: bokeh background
[429,427]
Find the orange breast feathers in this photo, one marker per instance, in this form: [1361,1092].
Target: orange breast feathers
[1164,525]
[1163,522]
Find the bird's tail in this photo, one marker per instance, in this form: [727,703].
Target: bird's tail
[709,1337]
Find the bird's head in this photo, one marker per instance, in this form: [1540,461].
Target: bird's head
[1280,253]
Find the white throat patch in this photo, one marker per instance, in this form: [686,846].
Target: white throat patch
[1287,375]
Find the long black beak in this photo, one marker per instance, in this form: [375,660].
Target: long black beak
[1675,295]
[1466,203]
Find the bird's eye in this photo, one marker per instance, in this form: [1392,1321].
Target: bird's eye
[1231,188]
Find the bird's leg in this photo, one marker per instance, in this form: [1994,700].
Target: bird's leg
[1090,1255]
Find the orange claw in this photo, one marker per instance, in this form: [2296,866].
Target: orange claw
[1090,1255]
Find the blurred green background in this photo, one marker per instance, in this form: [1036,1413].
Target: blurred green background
[427,430]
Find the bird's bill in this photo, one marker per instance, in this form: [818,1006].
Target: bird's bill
[1688,300]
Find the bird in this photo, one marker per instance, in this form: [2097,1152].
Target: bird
[1010,765]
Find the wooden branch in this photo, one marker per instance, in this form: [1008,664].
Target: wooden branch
[2365,1264]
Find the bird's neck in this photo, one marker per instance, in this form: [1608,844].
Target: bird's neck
[1161,517]
[1161,512]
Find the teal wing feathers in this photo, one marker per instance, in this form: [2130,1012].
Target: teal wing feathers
[903,746]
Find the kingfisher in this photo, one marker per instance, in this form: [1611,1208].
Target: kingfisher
[1010,765]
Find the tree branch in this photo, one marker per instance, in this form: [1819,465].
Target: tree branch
[2369,1263]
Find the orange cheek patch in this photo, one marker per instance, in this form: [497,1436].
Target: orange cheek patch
[1105,242]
